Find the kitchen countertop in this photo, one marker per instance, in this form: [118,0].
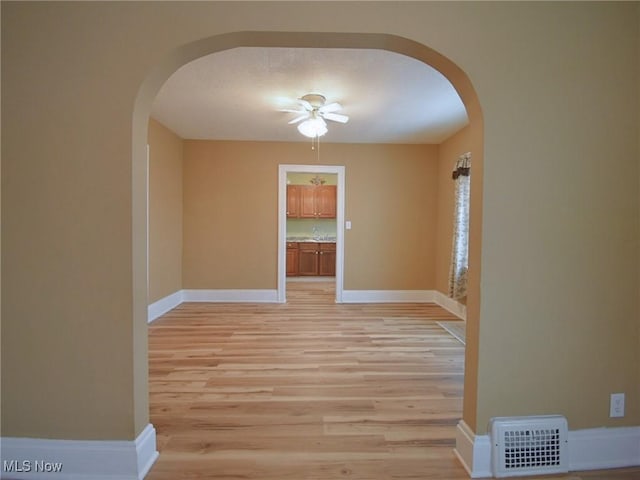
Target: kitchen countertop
[311,240]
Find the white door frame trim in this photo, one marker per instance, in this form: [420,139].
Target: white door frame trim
[282,224]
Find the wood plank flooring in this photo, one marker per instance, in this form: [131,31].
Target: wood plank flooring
[305,390]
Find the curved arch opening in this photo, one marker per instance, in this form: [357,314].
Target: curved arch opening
[192,51]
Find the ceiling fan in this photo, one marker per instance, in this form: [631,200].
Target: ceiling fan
[314,112]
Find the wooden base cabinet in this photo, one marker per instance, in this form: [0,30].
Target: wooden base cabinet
[292,259]
[317,259]
[327,260]
[308,259]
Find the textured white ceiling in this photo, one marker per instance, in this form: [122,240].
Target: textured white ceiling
[237,94]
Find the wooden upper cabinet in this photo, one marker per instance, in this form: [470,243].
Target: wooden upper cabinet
[317,201]
[293,201]
[325,199]
[307,201]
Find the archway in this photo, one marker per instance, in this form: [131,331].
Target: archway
[192,51]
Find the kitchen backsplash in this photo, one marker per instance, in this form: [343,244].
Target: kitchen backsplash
[303,227]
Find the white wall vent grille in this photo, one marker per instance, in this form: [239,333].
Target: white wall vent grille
[529,445]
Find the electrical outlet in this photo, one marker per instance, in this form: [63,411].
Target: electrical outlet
[616,408]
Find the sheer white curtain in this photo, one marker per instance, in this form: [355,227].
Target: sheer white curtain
[460,246]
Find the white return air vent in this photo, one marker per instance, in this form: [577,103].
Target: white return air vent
[529,445]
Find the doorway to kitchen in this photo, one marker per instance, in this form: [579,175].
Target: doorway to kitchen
[320,233]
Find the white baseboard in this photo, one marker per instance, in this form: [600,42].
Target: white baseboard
[473,451]
[448,303]
[234,296]
[602,448]
[589,449]
[146,452]
[406,296]
[33,458]
[170,302]
[387,296]
[162,306]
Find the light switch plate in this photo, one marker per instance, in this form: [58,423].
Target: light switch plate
[616,408]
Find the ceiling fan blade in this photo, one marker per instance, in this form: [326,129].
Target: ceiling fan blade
[336,117]
[305,104]
[332,107]
[297,119]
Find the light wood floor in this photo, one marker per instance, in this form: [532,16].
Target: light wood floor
[307,390]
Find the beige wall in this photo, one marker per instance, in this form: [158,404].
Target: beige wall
[231,213]
[554,324]
[391,194]
[560,225]
[165,211]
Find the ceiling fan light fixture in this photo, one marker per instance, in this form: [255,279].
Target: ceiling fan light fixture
[312,114]
[313,127]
